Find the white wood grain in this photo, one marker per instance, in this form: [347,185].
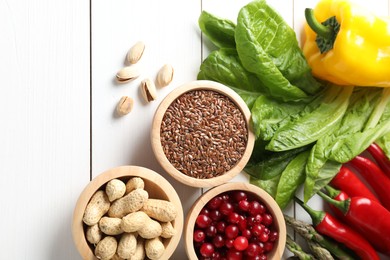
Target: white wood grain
[45,103]
[44,107]
[171,35]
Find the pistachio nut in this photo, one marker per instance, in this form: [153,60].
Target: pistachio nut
[124,106]
[127,74]
[135,52]
[148,90]
[165,75]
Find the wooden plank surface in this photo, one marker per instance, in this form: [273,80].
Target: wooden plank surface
[58,97]
[44,100]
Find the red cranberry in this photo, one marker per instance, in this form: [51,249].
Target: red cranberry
[225,196]
[240,243]
[231,231]
[239,195]
[261,245]
[229,243]
[268,246]
[263,257]
[242,225]
[226,208]
[216,256]
[243,205]
[254,220]
[204,211]
[211,231]
[221,226]
[199,235]
[257,230]
[253,250]
[215,215]
[267,219]
[233,254]
[263,237]
[246,233]
[218,241]
[273,236]
[234,217]
[256,257]
[203,221]
[215,202]
[207,250]
[254,208]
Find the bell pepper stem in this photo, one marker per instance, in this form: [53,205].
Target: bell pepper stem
[316,26]
[341,205]
[316,215]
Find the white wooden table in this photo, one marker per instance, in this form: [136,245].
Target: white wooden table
[58,61]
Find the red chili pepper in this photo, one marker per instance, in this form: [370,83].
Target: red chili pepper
[347,181]
[375,177]
[327,225]
[369,217]
[380,158]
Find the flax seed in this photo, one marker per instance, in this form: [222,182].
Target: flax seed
[204,134]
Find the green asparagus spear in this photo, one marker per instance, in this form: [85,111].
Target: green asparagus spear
[308,232]
[297,250]
[320,252]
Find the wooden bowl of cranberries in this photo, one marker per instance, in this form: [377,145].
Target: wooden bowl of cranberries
[235,220]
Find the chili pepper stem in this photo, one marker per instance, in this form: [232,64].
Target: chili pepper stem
[342,205]
[331,191]
[316,26]
[316,215]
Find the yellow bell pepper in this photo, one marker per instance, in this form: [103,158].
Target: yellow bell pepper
[358,44]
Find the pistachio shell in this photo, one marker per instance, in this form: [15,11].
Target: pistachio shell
[124,106]
[165,75]
[127,73]
[135,52]
[148,90]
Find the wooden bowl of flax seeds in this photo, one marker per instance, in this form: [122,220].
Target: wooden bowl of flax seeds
[201,134]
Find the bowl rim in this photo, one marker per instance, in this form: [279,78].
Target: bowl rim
[79,238]
[156,141]
[263,196]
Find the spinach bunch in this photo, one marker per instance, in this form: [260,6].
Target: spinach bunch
[305,129]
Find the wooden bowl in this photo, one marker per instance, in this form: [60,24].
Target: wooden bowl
[263,196]
[156,134]
[157,187]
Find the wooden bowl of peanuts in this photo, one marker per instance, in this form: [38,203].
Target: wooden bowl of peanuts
[127,212]
[201,134]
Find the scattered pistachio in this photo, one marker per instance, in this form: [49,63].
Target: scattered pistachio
[165,75]
[135,52]
[148,90]
[125,105]
[127,74]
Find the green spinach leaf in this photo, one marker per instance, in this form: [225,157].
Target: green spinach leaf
[312,126]
[219,31]
[267,46]
[269,185]
[361,105]
[268,115]
[224,66]
[326,174]
[292,177]
[271,164]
